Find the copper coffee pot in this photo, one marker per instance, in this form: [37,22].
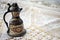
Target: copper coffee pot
[15,28]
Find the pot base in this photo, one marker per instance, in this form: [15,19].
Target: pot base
[19,35]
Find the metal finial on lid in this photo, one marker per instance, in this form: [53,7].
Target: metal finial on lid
[14,7]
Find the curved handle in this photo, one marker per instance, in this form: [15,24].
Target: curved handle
[6,13]
[4,18]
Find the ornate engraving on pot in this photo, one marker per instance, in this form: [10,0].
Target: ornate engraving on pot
[15,30]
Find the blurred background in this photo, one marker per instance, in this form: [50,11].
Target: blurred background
[42,13]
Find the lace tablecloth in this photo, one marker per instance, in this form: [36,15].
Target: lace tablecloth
[35,14]
[33,33]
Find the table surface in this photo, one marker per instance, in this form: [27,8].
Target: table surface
[40,22]
[33,33]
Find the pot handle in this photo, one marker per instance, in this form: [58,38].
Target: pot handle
[4,18]
[6,13]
